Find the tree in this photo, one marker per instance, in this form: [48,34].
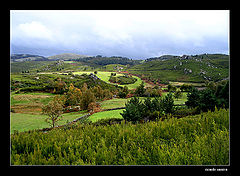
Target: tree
[140,90]
[178,94]
[204,100]
[73,96]
[87,98]
[171,88]
[123,93]
[168,103]
[98,92]
[60,86]
[54,110]
[133,111]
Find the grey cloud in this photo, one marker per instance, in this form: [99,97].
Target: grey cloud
[133,34]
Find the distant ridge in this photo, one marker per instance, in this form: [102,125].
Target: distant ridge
[27,57]
[67,56]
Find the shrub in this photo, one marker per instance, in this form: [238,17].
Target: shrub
[168,103]
[207,99]
[140,90]
[123,93]
[137,110]
[134,110]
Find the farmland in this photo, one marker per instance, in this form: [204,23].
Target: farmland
[181,105]
[106,75]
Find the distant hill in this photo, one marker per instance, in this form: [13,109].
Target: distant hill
[27,57]
[188,68]
[103,61]
[67,56]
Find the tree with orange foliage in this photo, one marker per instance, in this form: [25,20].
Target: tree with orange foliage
[73,96]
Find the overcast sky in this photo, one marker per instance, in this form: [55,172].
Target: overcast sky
[136,34]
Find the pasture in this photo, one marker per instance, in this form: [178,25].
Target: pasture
[106,75]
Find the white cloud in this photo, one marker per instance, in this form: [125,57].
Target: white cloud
[35,30]
[131,31]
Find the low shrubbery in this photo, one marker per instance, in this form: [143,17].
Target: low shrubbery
[194,140]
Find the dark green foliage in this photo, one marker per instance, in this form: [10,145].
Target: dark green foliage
[186,88]
[49,82]
[123,93]
[207,99]
[168,103]
[122,80]
[102,61]
[140,90]
[137,110]
[134,110]
[193,140]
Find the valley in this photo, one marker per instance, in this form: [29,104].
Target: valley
[121,96]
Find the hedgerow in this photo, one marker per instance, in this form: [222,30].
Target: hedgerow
[194,140]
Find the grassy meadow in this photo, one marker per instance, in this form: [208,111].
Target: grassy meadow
[106,75]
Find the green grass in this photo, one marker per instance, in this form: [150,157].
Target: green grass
[113,103]
[24,122]
[194,140]
[106,75]
[120,102]
[106,115]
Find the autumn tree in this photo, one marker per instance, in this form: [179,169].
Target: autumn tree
[87,97]
[54,110]
[73,96]
[59,86]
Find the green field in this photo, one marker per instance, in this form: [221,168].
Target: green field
[106,115]
[24,122]
[106,75]
[120,102]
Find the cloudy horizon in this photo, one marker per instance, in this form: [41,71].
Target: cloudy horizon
[135,34]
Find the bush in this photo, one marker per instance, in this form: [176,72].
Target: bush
[140,90]
[184,111]
[134,110]
[123,93]
[168,103]
[215,95]
[137,110]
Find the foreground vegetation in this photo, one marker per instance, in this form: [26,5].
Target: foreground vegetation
[194,140]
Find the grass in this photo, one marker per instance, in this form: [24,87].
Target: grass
[24,122]
[113,103]
[120,102]
[106,75]
[106,115]
[194,140]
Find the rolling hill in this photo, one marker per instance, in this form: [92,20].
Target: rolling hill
[195,68]
[66,56]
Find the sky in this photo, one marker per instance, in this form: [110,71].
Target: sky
[136,34]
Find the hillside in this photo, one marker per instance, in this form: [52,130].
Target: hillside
[197,68]
[98,60]
[66,56]
[27,57]
[194,140]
